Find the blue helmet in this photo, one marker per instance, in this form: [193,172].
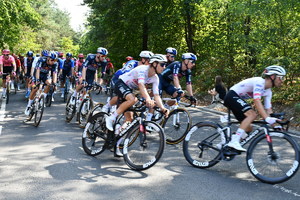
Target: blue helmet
[52,55]
[29,54]
[102,51]
[171,50]
[45,53]
[69,55]
[189,56]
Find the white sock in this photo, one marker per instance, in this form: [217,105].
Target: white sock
[240,132]
[149,116]
[74,94]
[29,103]
[107,105]
[115,114]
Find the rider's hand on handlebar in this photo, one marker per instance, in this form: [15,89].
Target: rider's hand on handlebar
[166,112]
[150,103]
[271,120]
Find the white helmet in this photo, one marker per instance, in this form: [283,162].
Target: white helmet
[102,51]
[274,69]
[159,58]
[189,56]
[146,54]
[171,50]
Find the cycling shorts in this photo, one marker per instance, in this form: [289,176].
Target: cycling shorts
[237,105]
[121,89]
[7,69]
[165,86]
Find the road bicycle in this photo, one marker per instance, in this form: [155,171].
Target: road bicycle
[37,108]
[67,88]
[142,149]
[272,156]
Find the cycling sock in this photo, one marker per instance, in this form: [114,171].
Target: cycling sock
[4,90]
[240,132]
[29,103]
[115,114]
[74,94]
[149,116]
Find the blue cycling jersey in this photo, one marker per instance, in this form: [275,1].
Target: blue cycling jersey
[91,64]
[67,65]
[175,69]
[44,67]
[126,68]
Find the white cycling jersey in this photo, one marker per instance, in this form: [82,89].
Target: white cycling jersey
[254,88]
[140,75]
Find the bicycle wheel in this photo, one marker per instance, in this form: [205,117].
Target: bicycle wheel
[97,108]
[277,166]
[143,149]
[66,90]
[39,110]
[177,125]
[95,135]
[7,93]
[70,109]
[200,145]
[84,109]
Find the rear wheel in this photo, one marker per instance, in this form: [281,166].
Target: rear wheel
[95,135]
[200,146]
[39,110]
[277,166]
[143,149]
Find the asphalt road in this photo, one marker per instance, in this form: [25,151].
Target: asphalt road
[48,162]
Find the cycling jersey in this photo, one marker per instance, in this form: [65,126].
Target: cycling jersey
[254,88]
[7,62]
[28,63]
[140,75]
[44,67]
[174,69]
[126,68]
[79,65]
[67,65]
[91,64]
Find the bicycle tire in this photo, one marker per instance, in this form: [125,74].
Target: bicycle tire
[97,108]
[70,110]
[98,90]
[284,162]
[7,93]
[95,135]
[177,125]
[85,107]
[199,145]
[39,110]
[16,87]
[48,100]
[143,155]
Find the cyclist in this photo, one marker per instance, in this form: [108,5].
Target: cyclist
[136,79]
[28,64]
[145,58]
[253,88]
[7,65]
[174,72]
[44,67]
[79,64]
[109,71]
[89,71]
[18,72]
[66,69]
[171,54]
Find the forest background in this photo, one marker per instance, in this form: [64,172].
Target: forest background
[233,38]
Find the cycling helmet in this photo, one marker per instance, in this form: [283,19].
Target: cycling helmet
[129,58]
[29,54]
[37,55]
[171,50]
[80,55]
[60,54]
[146,54]
[69,55]
[102,51]
[158,58]
[52,55]
[189,56]
[6,51]
[274,69]
[45,53]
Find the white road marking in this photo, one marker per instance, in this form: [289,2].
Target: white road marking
[2,112]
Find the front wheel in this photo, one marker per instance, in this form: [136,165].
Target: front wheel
[83,113]
[95,135]
[142,149]
[70,109]
[274,166]
[39,110]
[201,145]
[177,125]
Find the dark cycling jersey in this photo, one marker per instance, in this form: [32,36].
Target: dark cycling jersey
[174,69]
[91,64]
[67,65]
[44,67]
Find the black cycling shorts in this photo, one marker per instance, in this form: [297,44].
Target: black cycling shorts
[237,105]
[121,89]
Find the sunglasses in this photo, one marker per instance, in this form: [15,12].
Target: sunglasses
[162,64]
[5,54]
[171,56]
[281,77]
[192,61]
[103,56]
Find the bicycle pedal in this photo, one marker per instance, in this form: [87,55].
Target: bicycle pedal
[228,151]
